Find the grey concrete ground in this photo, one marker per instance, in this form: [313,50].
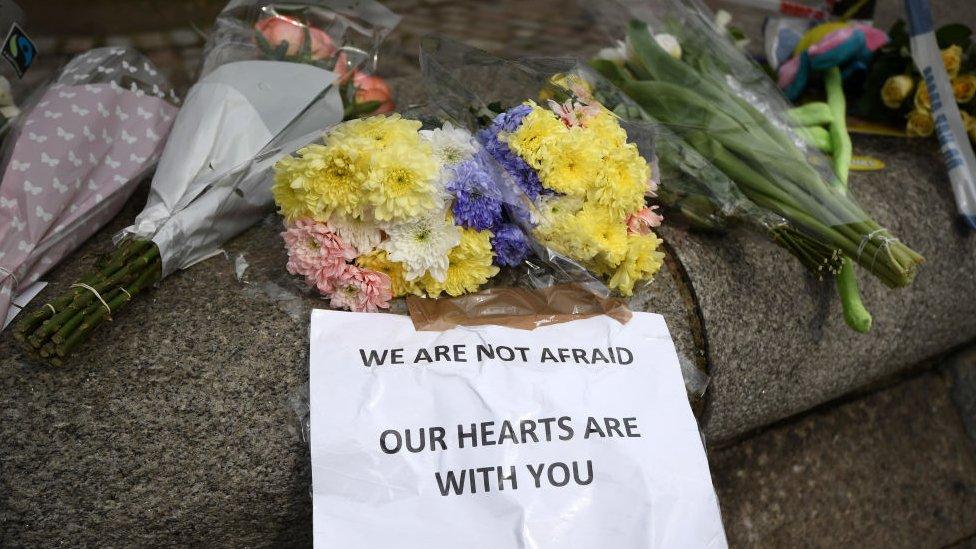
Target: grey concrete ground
[174,428]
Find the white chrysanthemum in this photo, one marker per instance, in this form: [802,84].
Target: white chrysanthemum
[422,246]
[364,235]
[451,145]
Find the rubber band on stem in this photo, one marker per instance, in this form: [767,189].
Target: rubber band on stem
[108,310]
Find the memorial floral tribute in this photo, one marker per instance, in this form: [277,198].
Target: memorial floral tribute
[272,76]
[590,183]
[73,158]
[384,208]
[731,153]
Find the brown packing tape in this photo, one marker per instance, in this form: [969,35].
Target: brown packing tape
[515,308]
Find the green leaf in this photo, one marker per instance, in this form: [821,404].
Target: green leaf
[955,34]
[306,49]
[611,71]
[266,48]
[281,51]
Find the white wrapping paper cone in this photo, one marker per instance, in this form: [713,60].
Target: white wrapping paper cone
[196,202]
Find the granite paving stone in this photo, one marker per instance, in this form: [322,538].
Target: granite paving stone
[893,469]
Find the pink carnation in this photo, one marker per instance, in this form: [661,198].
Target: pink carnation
[314,251]
[644,220]
[361,290]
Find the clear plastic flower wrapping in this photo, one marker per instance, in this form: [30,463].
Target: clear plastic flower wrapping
[732,153]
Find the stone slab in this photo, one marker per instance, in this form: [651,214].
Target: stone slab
[777,342]
[893,469]
[173,425]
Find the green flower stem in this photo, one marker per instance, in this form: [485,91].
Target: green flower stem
[816,113]
[83,297]
[816,137]
[674,106]
[855,313]
[26,326]
[145,279]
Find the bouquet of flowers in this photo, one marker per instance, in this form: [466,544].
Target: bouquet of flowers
[589,182]
[263,91]
[74,157]
[894,92]
[719,104]
[384,208]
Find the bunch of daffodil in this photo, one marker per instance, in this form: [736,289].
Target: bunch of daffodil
[589,183]
[383,208]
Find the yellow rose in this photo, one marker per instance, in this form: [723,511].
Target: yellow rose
[952,59]
[920,123]
[964,88]
[922,100]
[968,122]
[896,89]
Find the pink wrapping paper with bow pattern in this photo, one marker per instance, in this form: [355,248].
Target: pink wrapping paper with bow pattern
[75,157]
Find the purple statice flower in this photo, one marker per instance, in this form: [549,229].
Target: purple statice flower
[510,245]
[476,205]
[521,172]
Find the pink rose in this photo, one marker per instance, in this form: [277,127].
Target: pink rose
[280,28]
[373,88]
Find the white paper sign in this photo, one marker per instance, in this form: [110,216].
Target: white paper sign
[574,435]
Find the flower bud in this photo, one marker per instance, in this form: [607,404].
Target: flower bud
[669,44]
[964,88]
[896,89]
[922,100]
[952,59]
[968,122]
[617,54]
[920,123]
[280,29]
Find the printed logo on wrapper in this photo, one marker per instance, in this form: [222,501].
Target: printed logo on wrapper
[571,435]
[19,50]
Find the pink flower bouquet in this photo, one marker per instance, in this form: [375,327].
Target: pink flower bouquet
[75,157]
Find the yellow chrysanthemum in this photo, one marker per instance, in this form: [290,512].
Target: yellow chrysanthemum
[591,233]
[378,261]
[325,178]
[642,261]
[402,182]
[570,162]
[622,181]
[377,133]
[609,235]
[470,266]
[553,206]
[529,139]
[606,127]
[291,201]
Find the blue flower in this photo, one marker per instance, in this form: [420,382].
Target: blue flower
[523,174]
[510,245]
[476,196]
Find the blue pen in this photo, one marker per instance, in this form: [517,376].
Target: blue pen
[956,150]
